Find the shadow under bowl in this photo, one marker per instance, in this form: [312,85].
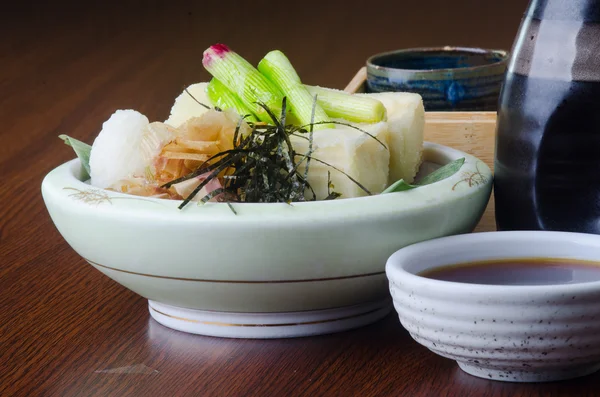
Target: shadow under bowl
[448,78]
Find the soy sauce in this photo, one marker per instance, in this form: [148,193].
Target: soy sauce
[527,271]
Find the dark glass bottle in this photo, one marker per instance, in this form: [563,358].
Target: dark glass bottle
[547,165]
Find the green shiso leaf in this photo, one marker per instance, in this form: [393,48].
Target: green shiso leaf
[442,173]
[438,175]
[399,186]
[81,149]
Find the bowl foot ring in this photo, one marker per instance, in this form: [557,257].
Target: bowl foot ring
[269,325]
[532,375]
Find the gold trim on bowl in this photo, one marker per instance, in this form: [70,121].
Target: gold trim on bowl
[238,281]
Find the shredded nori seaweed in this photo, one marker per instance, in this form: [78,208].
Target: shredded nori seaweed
[262,166]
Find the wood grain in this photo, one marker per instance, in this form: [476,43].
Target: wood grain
[358,82]
[473,133]
[65,66]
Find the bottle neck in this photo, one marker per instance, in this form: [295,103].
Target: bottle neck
[587,11]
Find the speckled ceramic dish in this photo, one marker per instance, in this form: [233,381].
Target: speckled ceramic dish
[516,333]
[448,78]
[268,270]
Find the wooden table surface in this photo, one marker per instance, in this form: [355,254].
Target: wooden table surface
[67,330]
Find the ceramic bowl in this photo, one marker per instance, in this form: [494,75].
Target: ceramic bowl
[509,333]
[268,270]
[448,78]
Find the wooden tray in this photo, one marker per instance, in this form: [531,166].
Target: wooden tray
[471,132]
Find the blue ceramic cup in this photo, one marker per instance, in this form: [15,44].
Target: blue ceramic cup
[448,78]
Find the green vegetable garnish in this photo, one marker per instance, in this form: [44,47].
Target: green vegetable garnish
[276,78]
[338,104]
[241,78]
[440,174]
[399,186]
[223,98]
[276,67]
[82,150]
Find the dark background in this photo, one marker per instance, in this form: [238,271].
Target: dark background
[62,43]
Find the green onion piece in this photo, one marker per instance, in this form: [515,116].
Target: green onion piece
[223,98]
[241,78]
[339,104]
[276,67]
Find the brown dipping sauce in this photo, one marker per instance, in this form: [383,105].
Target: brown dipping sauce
[526,271]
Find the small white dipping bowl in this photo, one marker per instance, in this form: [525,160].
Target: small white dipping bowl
[508,333]
[271,270]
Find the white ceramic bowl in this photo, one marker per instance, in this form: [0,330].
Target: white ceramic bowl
[509,333]
[272,270]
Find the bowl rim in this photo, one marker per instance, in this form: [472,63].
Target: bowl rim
[450,49]
[395,270]
[64,177]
